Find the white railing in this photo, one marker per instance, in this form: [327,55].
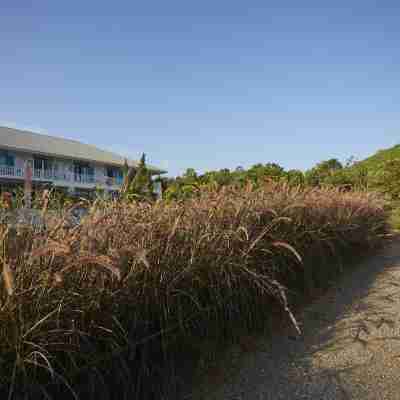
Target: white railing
[11,172]
[52,175]
[49,175]
[43,174]
[84,178]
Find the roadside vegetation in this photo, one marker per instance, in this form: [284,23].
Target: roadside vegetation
[379,173]
[113,307]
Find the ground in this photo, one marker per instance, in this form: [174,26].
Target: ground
[349,348]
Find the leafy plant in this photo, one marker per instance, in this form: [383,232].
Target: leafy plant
[137,183]
[386,178]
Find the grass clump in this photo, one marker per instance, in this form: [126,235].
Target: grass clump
[107,308]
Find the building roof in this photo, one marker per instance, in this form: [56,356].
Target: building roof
[21,140]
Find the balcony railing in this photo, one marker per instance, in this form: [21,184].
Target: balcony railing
[48,174]
[114,181]
[52,175]
[11,172]
[56,175]
[84,178]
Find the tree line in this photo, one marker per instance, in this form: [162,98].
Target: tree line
[326,173]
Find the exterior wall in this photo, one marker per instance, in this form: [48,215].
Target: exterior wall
[20,160]
[100,174]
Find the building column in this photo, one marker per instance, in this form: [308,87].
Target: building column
[28,184]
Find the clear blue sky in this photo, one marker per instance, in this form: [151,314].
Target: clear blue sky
[206,84]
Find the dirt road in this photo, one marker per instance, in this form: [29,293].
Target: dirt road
[350,347]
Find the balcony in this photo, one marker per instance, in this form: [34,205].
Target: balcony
[11,172]
[84,178]
[49,175]
[52,175]
[60,178]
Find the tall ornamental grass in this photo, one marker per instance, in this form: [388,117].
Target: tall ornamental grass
[112,307]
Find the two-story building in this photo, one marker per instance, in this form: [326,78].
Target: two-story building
[66,164]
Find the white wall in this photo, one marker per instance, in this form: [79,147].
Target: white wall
[99,174]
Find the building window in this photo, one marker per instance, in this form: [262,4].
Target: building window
[84,172]
[110,172]
[114,175]
[7,159]
[42,163]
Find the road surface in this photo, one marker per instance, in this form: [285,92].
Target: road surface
[350,347]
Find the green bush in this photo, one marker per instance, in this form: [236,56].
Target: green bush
[386,178]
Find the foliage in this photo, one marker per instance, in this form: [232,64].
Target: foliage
[387,178]
[138,184]
[379,169]
[324,172]
[373,163]
[295,177]
[257,173]
[105,309]
[394,215]
[190,183]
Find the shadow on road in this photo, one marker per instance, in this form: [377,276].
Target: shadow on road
[350,347]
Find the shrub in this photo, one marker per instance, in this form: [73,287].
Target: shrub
[386,178]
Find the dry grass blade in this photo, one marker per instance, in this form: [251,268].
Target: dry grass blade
[6,271]
[8,279]
[290,248]
[203,269]
[173,231]
[31,358]
[38,323]
[52,248]
[266,230]
[245,231]
[102,261]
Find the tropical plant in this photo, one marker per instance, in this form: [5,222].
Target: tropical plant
[137,183]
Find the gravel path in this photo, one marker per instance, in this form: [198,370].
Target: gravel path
[350,347]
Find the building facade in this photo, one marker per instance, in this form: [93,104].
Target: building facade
[75,167]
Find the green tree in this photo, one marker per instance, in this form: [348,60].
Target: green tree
[259,172]
[295,177]
[138,184]
[190,174]
[322,172]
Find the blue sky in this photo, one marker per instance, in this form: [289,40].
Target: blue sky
[208,84]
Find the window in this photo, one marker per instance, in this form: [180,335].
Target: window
[81,167]
[84,172]
[42,163]
[110,172]
[7,159]
[113,172]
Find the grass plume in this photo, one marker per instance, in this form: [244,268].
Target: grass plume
[99,310]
